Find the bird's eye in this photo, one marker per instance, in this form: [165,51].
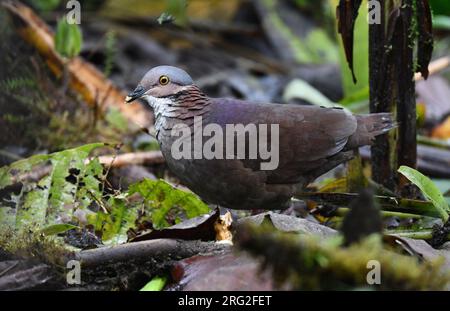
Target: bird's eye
[163,80]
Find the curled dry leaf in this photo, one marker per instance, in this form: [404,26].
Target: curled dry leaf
[425,42]
[222,227]
[85,79]
[197,228]
[347,12]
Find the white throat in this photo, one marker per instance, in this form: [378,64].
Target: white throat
[162,108]
[159,105]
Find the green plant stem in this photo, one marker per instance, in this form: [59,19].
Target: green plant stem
[420,235]
[344,210]
[438,143]
[389,204]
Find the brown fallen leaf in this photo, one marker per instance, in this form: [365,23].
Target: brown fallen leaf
[222,228]
[230,272]
[287,223]
[442,131]
[347,12]
[197,228]
[84,78]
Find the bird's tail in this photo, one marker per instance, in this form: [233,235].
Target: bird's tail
[369,127]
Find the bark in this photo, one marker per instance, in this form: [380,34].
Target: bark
[152,250]
[382,170]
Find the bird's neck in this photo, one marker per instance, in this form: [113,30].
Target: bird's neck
[182,106]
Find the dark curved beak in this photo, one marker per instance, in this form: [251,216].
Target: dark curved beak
[137,93]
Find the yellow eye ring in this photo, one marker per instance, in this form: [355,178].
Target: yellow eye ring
[164,80]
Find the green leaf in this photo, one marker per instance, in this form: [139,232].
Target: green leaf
[19,166]
[34,208]
[162,199]
[68,39]
[429,189]
[361,95]
[113,226]
[314,47]
[440,7]
[177,10]
[56,195]
[441,22]
[302,90]
[92,180]
[58,228]
[155,285]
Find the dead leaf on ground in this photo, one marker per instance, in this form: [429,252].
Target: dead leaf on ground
[287,223]
[228,272]
[197,228]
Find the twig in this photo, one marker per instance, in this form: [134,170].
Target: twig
[164,249]
[109,166]
[342,211]
[135,158]
[435,67]
[380,189]
[433,142]
[99,202]
[426,234]
[418,235]
[390,204]
[10,155]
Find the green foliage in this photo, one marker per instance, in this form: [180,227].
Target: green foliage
[58,228]
[441,22]
[314,263]
[110,52]
[302,90]
[176,11]
[164,201]
[33,244]
[429,189]
[316,47]
[155,285]
[440,7]
[72,190]
[116,119]
[15,83]
[68,39]
[112,225]
[46,5]
[57,195]
[160,204]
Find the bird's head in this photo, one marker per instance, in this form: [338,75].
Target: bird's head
[160,83]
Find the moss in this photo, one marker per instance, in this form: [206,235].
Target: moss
[311,263]
[34,245]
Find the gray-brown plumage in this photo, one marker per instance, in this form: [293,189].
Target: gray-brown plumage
[312,141]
